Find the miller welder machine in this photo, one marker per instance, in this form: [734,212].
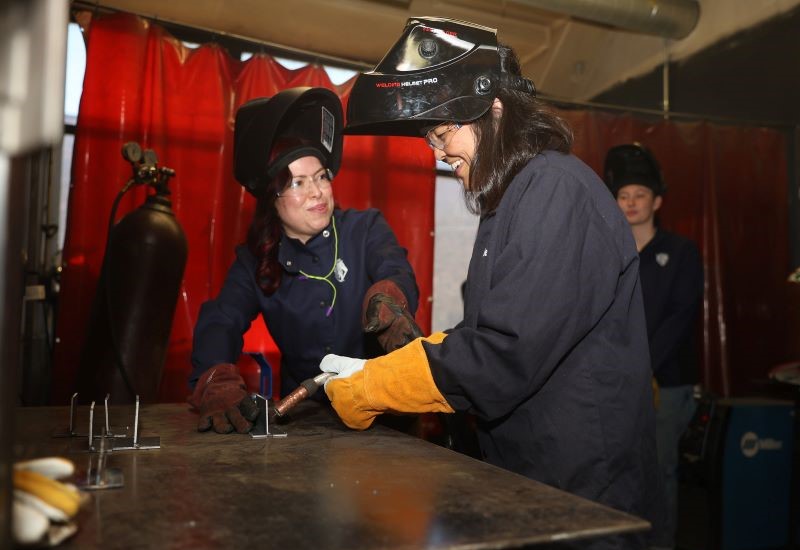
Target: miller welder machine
[738,485]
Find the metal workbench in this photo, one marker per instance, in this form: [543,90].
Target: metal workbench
[323,486]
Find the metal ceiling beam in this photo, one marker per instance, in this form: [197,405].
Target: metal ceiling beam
[666,18]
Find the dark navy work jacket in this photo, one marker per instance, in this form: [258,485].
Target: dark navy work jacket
[671,272]
[552,354]
[296,313]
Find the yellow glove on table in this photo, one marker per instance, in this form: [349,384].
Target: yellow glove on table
[43,506]
[400,382]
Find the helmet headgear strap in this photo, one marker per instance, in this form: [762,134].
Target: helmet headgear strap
[512,81]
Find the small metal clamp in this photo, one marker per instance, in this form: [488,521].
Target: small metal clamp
[136,443]
[261,427]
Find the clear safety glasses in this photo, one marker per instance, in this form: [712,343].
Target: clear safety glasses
[303,186]
[437,137]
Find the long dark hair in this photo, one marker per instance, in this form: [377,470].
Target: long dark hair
[265,232]
[504,145]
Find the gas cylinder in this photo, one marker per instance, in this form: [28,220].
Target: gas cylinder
[128,333]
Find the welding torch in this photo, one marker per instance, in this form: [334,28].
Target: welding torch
[310,386]
[306,389]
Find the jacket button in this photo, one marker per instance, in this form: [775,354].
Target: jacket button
[315,259]
[322,304]
[327,349]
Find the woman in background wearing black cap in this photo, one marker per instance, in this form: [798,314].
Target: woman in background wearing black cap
[315,273]
[671,273]
[551,356]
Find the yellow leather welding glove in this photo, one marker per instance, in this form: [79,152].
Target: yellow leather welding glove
[44,508]
[400,382]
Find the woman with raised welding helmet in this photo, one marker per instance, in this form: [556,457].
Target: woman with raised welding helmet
[317,274]
[552,353]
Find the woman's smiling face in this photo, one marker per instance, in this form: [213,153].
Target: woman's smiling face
[454,144]
[305,206]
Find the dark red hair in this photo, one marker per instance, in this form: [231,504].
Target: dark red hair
[265,232]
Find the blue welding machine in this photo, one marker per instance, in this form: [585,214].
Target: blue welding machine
[736,476]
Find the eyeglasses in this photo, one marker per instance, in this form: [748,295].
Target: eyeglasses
[301,186]
[436,137]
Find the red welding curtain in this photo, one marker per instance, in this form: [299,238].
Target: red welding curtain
[143,85]
[728,190]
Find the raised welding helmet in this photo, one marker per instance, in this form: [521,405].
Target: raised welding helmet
[633,163]
[308,118]
[439,70]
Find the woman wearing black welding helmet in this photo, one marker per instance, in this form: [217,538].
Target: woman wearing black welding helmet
[316,273]
[671,273]
[552,353]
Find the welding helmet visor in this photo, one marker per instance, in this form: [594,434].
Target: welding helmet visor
[631,164]
[439,70]
[309,118]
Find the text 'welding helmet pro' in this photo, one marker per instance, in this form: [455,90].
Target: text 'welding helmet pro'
[304,121]
[633,164]
[439,70]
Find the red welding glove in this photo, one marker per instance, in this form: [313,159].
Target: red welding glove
[222,400]
[385,313]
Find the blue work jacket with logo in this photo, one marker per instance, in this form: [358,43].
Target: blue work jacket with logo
[671,272]
[552,355]
[297,313]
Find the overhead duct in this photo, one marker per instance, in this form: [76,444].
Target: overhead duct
[666,18]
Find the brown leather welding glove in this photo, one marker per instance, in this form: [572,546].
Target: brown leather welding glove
[221,398]
[385,313]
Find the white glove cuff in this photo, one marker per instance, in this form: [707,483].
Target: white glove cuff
[343,367]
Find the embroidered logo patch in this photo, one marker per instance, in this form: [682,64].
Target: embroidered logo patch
[662,258]
[340,270]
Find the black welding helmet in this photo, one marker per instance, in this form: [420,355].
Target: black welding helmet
[310,119]
[439,70]
[632,164]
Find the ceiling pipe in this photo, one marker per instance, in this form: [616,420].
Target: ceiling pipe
[667,18]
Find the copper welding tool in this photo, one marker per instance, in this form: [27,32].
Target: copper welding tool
[310,386]
[306,389]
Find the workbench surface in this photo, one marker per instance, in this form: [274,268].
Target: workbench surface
[322,486]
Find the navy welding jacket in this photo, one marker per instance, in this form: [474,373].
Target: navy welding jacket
[552,355]
[671,272]
[296,313]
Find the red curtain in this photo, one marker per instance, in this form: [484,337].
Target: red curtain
[728,190]
[143,85]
